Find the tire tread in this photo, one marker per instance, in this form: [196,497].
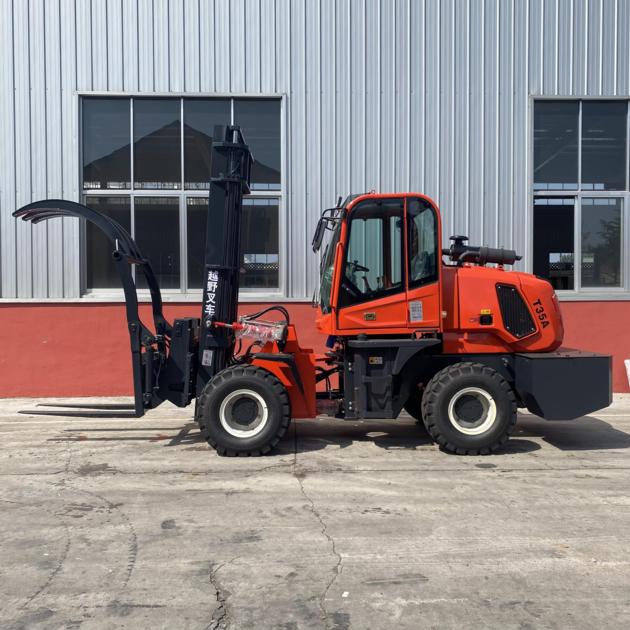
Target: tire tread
[445,377]
[250,371]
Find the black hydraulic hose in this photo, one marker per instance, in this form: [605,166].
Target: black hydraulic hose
[275,307]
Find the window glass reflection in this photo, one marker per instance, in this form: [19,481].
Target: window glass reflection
[106,143]
[260,122]
[101,272]
[553,241]
[601,242]
[556,145]
[201,116]
[157,236]
[157,143]
[604,145]
[259,242]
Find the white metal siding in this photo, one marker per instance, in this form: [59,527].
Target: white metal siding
[429,96]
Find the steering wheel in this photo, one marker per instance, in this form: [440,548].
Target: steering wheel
[357,267]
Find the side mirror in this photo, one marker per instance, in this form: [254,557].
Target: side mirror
[318,237]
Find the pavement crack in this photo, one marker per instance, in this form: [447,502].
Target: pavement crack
[338,567]
[221,616]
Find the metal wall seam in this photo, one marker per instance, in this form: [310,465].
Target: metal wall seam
[146,47]
[221,38]
[357,90]
[564,38]
[623,48]
[474,203]
[371,97]
[608,48]
[238,44]
[176,43]
[490,121]
[8,253]
[98,25]
[433,100]
[191,24]
[266,47]
[207,58]
[161,28]
[328,60]
[312,105]
[506,124]
[70,147]
[38,139]
[417,97]
[400,121]
[580,43]
[297,140]
[535,46]
[520,166]
[22,115]
[130,46]
[461,127]
[593,73]
[550,47]
[251,39]
[54,142]
[386,97]
[115,45]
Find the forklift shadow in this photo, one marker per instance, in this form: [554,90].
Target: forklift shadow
[390,435]
[582,434]
[313,435]
[304,435]
[587,433]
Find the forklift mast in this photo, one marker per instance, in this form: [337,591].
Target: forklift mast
[174,361]
[231,167]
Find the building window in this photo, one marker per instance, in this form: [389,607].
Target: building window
[581,187]
[146,164]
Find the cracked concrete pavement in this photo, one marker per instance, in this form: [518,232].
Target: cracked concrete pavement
[125,523]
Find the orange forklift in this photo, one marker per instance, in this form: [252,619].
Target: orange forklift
[449,335]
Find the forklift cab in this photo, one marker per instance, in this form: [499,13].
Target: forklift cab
[380,273]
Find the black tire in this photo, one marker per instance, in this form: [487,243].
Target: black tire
[469,409]
[413,407]
[255,404]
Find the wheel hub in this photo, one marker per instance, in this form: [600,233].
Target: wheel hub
[472,411]
[243,413]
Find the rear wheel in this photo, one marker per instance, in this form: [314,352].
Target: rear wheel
[413,407]
[469,409]
[243,411]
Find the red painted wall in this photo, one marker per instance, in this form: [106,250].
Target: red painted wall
[83,349]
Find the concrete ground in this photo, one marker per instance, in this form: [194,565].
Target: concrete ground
[110,523]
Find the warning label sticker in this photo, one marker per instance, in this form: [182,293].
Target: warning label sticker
[206,358]
[415,311]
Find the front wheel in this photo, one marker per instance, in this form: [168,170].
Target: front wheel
[469,409]
[243,411]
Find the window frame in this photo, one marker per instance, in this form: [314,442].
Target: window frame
[183,294]
[403,267]
[580,293]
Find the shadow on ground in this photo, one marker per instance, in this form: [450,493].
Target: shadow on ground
[584,434]
[587,433]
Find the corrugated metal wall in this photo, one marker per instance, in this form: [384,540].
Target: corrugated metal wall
[429,95]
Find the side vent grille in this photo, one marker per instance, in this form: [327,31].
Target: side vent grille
[516,318]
